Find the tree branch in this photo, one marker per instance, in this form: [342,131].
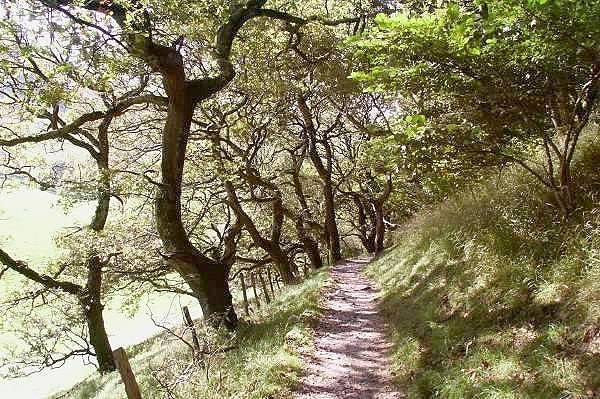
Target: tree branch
[45,280]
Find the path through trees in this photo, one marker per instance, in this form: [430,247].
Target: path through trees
[349,360]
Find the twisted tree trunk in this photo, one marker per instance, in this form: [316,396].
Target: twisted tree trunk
[366,230]
[207,278]
[271,246]
[91,303]
[379,214]
[324,171]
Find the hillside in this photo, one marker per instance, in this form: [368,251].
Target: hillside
[490,296]
[261,360]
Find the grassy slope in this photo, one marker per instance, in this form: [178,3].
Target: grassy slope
[488,296]
[265,363]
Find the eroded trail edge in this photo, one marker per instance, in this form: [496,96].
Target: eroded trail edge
[350,356]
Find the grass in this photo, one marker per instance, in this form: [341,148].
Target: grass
[492,296]
[265,363]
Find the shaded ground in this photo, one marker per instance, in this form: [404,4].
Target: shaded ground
[349,360]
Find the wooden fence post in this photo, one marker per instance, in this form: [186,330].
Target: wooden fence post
[131,387]
[190,323]
[264,286]
[277,281]
[270,277]
[253,281]
[244,294]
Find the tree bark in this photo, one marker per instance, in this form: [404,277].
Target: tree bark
[379,214]
[379,228]
[565,191]
[104,186]
[311,246]
[92,307]
[207,278]
[366,232]
[331,229]
[283,265]
[91,299]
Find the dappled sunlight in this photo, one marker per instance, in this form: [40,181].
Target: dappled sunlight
[265,359]
[350,355]
[482,320]
[179,178]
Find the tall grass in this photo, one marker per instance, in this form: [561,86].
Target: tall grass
[262,360]
[491,295]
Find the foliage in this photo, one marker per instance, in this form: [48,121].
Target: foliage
[488,82]
[85,90]
[234,128]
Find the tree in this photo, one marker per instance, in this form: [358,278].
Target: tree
[125,44]
[206,277]
[496,84]
[324,170]
[303,218]
[33,65]
[244,149]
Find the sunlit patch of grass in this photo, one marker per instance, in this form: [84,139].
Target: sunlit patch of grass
[265,363]
[491,296]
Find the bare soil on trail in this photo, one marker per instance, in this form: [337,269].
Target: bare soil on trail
[350,355]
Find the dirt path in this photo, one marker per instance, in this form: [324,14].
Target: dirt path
[349,360]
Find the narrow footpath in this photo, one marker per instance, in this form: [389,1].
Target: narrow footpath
[350,356]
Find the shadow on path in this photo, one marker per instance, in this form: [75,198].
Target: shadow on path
[350,356]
